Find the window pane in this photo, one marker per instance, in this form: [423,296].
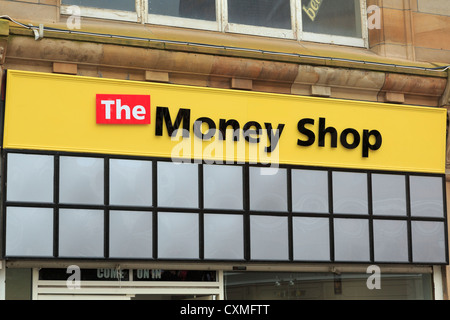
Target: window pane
[390,240]
[310,191]
[263,13]
[268,189]
[311,238]
[428,241]
[337,17]
[81,180]
[222,187]
[269,238]
[177,185]
[30,178]
[130,234]
[350,192]
[426,196]
[29,231]
[224,236]
[389,194]
[81,233]
[193,9]
[178,235]
[126,5]
[351,239]
[130,182]
[325,286]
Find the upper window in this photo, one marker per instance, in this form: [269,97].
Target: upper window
[337,21]
[200,14]
[192,9]
[337,17]
[264,13]
[264,17]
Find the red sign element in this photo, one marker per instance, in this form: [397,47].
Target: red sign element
[123,109]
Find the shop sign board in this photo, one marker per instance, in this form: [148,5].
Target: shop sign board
[106,116]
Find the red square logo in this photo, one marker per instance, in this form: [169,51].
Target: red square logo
[123,109]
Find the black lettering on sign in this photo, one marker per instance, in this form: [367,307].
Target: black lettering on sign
[349,138]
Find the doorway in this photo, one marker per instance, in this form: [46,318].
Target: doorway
[116,284]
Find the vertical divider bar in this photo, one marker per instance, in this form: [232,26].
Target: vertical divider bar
[3,195]
[444,197]
[155,205]
[106,233]
[408,217]
[246,190]
[56,185]
[370,212]
[201,229]
[330,211]
[290,218]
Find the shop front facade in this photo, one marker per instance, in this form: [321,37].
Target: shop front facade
[153,153]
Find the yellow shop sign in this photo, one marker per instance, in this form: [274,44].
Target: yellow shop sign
[92,115]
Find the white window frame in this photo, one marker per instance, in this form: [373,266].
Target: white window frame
[261,31]
[110,14]
[222,25]
[333,39]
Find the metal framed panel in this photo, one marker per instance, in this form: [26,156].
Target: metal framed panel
[408,238]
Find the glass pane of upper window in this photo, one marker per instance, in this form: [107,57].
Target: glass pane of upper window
[193,9]
[350,193]
[263,13]
[130,182]
[390,240]
[426,196]
[351,239]
[177,185]
[337,17]
[125,5]
[178,235]
[81,180]
[268,189]
[224,236]
[268,238]
[81,233]
[30,177]
[29,231]
[389,194]
[130,234]
[428,241]
[223,187]
[311,238]
[310,191]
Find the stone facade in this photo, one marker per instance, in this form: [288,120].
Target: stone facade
[404,62]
